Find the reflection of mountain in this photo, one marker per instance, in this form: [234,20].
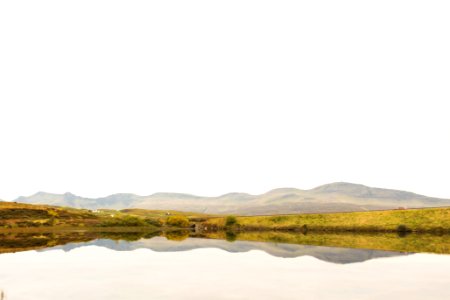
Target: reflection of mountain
[161,244]
[327,198]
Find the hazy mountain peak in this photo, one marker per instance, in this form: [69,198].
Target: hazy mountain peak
[362,191]
[235,195]
[121,196]
[70,196]
[283,190]
[41,193]
[173,195]
[35,195]
[340,187]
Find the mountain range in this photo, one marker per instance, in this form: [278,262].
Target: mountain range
[160,244]
[334,197]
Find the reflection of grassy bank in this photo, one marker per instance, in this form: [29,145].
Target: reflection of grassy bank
[383,241]
[62,229]
[177,235]
[416,220]
[16,241]
[22,241]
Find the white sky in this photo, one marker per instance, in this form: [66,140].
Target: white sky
[209,97]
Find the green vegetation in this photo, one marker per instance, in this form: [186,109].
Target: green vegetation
[13,215]
[230,221]
[162,214]
[14,241]
[18,215]
[30,217]
[230,236]
[414,220]
[128,236]
[177,235]
[154,222]
[178,221]
[119,221]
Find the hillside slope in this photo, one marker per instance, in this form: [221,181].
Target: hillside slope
[37,216]
[14,215]
[432,220]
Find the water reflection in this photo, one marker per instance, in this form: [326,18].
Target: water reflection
[336,248]
[161,244]
[91,272]
[221,265]
[282,244]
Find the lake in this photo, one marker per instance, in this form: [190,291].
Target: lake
[80,265]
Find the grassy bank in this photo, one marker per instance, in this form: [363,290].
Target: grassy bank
[18,215]
[45,218]
[427,220]
[28,216]
[415,220]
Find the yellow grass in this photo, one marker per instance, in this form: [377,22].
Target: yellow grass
[419,220]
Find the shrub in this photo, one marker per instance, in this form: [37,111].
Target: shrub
[53,214]
[177,221]
[132,221]
[230,236]
[402,230]
[123,221]
[230,221]
[50,222]
[305,228]
[277,219]
[178,235]
[153,222]
[126,236]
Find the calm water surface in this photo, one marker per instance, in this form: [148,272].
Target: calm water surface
[197,268]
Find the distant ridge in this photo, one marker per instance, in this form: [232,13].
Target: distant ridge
[329,254]
[333,197]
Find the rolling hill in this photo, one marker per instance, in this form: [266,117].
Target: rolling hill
[161,244]
[334,197]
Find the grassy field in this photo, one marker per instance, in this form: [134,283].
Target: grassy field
[164,214]
[29,216]
[414,220]
[17,215]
